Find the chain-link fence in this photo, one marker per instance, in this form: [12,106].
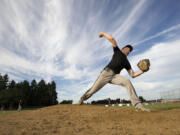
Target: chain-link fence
[171,94]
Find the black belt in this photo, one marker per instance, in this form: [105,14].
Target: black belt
[108,69]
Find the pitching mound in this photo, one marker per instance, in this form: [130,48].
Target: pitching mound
[90,120]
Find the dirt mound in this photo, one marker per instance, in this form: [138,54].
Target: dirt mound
[90,120]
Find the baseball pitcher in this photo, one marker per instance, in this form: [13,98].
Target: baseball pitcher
[110,74]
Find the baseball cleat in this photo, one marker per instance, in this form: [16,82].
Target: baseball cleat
[80,102]
[139,106]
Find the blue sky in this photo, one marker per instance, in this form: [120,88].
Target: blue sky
[58,40]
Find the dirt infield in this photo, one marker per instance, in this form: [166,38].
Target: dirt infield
[90,120]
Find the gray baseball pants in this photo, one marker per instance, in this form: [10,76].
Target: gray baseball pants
[108,76]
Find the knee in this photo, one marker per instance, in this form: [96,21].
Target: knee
[127,82]
[86,96]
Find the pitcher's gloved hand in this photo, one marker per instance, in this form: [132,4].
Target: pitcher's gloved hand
[144,65]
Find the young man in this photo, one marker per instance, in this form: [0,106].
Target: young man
[110,74]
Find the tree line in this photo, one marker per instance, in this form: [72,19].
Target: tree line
[115,101]
[110,101]
[31,94]
[106,101]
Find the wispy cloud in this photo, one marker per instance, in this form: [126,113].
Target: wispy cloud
[131,19]
[176,27]
[59,39]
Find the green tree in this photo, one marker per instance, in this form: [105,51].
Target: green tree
[42,93]
[67,102]
[1,82]
[54,93]
[12,84]
[142,99]
[4,81]
[26,91]
[34,92]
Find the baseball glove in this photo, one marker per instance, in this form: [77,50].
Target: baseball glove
[144,65]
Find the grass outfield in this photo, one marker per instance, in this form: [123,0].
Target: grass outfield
[156,107]
[7,112]
[15,111]
[167,106]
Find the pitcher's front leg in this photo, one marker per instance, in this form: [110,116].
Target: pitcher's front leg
[102,80]
[120,80]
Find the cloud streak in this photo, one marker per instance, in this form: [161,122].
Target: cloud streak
[59,39]
[131,19]
[176,27]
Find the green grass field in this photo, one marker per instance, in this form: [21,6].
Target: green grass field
[5,112]
[167,106]
[155,107]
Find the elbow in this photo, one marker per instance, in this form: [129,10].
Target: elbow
[112,39]
[131,73]
[132,76]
